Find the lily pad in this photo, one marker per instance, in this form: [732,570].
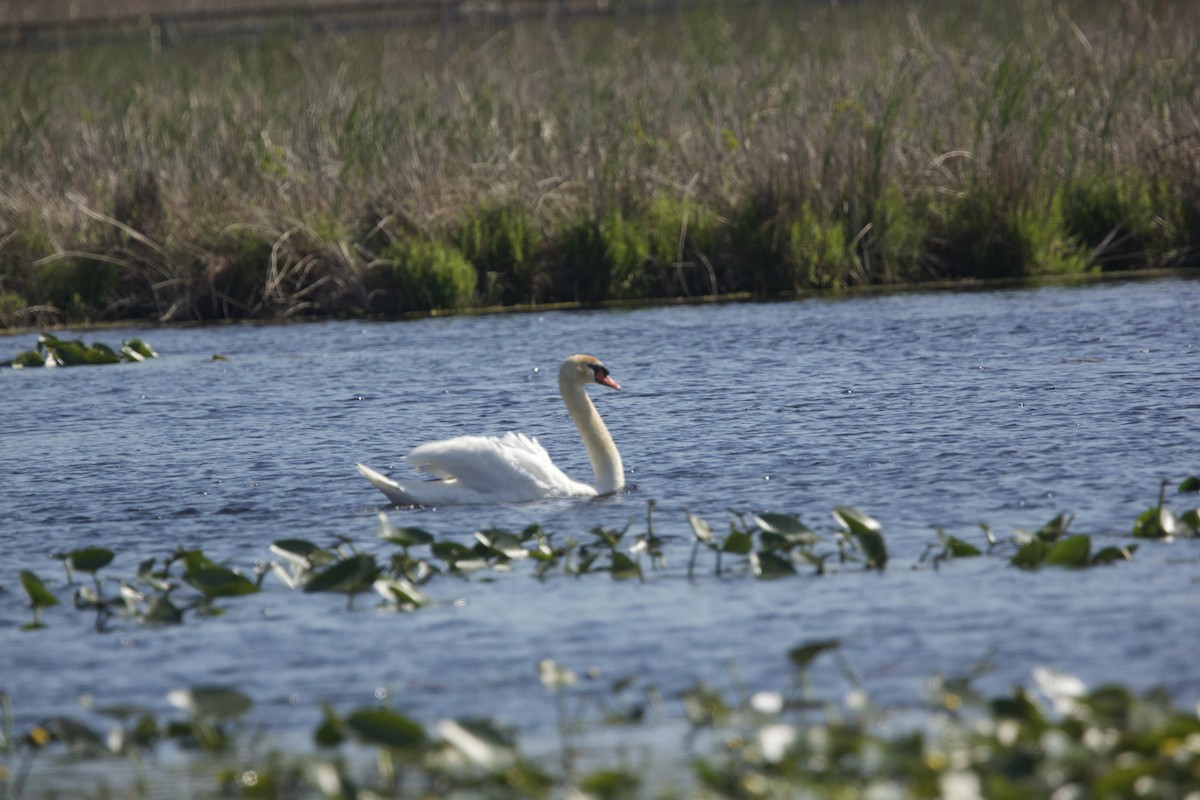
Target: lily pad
[789,528]
[1030,555]
[624,567]
[212,702]
[386,728]
[867,532]
[218,581]
[404,536]
[803,655]
[401,593]
[39,595]
[766,564]
[91,559]
[502,543]
[700,528]
[351,575]
[1070,552]
[855,521]
[28,358]
[737,542]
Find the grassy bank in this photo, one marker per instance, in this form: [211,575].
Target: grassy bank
[726,149]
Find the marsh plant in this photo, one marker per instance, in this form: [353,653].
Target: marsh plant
[52,351]
[764,546]
[722,149]
[1052,737]
[1055,736]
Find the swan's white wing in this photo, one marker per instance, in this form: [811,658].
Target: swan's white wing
[509,468]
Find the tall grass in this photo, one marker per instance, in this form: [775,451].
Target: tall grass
[727,148]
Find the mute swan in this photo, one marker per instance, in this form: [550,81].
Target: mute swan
[513,468]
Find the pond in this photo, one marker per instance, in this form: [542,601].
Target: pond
[926,411]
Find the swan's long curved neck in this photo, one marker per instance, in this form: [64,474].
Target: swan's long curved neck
[606,461]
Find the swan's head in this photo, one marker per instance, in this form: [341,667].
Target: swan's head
[581,369]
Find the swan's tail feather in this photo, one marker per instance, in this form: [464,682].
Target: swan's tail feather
[394,491]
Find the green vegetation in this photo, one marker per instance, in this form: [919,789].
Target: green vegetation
[54,352]
[1102,743]
[720,150]
[1055,736]
[763,546]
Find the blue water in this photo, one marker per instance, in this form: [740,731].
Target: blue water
[924,410]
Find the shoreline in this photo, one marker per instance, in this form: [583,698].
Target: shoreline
[725,150]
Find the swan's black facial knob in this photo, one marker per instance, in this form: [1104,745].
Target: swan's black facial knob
[602,377]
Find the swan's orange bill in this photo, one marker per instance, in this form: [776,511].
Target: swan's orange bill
[607,381]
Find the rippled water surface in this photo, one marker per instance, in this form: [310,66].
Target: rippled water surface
[930,410]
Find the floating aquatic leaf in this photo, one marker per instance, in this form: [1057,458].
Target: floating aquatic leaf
[502,543]
[957,548]
[1155,523]
[210,702]
[351,575]
[803,655]
[28,358]
[481,741]
[331,732]
[451,552]
[91,559]
[400,592]
[1190,484]
[1063,688]
[789,528]
[856,521]
[217,581]
[704,705]
[1070,552]
[78,737]
[61,353]
[299,552]
[624,567]
[766,564]
[1019,707]
[386,728]
[737,542]
[1110,706]
[403,536]
[1030,555]
[39,596]
[1055,528]
[162,611]
[554,676]
[700,528]
[610,783]
[867,532]
[137,350]
[101,354]
[1108,555]
[55,352]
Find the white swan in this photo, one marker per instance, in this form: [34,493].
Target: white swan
[513,468]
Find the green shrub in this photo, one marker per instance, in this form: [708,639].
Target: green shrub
[894,248]
[574,266]
[77,284]
[755,258]
[980,236]
[818,252]
[500,241]
[1113,218]
[424,275]
[231,282]
[10,303]
[1047,247]
[682,239]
